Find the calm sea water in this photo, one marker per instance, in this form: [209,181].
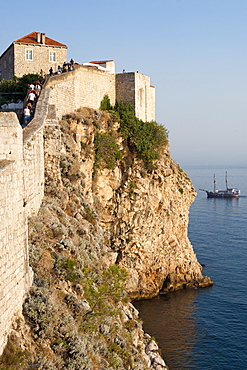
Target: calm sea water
[207,328]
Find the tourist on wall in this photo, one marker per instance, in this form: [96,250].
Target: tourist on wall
[42,73]
[51,71]
[65,67]
[31,97]
[27,115]
[37,88]
[30,87]
[32,110]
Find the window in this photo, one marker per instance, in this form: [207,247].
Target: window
[52,57]
[29,55]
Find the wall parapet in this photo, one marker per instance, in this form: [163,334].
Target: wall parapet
[15,274]
[85,86]
[21,194]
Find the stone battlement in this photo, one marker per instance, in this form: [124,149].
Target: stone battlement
[86,86]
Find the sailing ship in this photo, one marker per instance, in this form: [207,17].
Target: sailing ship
[228,193]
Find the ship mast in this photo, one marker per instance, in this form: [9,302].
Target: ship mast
[214,184]
[226,182]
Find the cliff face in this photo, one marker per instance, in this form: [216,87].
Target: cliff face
[146,216]
[144,213]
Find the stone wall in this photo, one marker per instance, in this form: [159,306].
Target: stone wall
[134,88]
[15,275]
[40,58]
[7,64]
[21,194]
[83,87]
[125,87]
[14,63]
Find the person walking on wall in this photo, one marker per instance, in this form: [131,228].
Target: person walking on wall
[27,115]
[51,71]
[31,97]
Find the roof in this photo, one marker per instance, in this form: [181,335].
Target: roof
[31,38]
[102,61]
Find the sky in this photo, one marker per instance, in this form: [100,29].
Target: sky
[195,52]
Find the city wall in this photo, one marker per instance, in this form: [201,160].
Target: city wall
[21,194]
[83,87]
[135,88]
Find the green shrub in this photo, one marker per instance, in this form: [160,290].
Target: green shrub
[13,357]
[147,139]
[107,152]
[103,292]
[66,268]
[105,103]
[90,215]
[18,84]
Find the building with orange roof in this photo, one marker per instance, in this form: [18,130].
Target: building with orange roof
[36,51]
[30,54]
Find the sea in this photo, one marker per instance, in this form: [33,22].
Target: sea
[206,328]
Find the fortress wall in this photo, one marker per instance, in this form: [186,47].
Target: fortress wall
[92,85]
[125,87]
[134,88]
[62,92]
[151,104]
[15,274]
[21,194]
[33,156]
[83,87]
[33,163]
[144,95]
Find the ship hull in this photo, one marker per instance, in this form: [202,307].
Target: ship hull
[211,194]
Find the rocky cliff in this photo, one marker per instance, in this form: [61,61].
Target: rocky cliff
[144,213]
[109,229]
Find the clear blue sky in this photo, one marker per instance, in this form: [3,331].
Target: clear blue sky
[195,52]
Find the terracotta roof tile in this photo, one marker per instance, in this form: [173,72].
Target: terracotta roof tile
[31,38]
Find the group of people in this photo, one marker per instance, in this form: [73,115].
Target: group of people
[34,90]
[33,93]
[66,67]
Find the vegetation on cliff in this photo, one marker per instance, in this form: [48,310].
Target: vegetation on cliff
[146,139]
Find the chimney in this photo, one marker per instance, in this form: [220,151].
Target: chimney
[38,37]
[42,38]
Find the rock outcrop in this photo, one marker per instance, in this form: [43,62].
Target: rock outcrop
[144,213]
